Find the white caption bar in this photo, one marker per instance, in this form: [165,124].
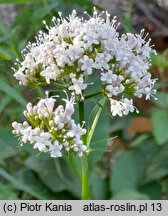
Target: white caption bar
[84,208]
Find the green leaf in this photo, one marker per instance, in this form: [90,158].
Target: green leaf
[152,189]
[164,185]
[5,54]
[160,122]
[101,132]
[84,3]
[17,1]
[162,101]
[40,13]
[127,16]
[96,115]
[98,187]
[130,166]
[130,195]
[23,17]
[12,92]
[158,167]
[160,61]
[32,189]
[55,174]
[29,178]
[4,102]
[7,192]
[3,28]
[8,144]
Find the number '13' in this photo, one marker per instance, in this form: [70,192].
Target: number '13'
[156,206]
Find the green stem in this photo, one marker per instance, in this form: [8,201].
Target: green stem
[85,177]
[84,160]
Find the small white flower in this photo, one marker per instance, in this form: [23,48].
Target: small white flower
[69,108]
[50,73]
[101,60]
[87,64]
[76,131]
[128,106]
[55,150]
[113,83]
[116,107]
[42,141]
[122,107]
[27,135]
[74,52]
[49,103]
[78,85]
[107,77]
[19,75]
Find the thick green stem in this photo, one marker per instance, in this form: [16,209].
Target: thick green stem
[84,160]
[85,177]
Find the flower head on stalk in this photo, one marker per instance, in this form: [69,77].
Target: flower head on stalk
[74,48]
[51,129]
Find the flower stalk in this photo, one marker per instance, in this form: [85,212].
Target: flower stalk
[85,177]
[84,160]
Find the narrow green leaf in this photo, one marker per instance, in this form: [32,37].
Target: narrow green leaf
[95,120]
[12,92]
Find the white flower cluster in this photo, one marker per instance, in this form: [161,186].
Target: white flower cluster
[122,107]
[74,48]
[51,129]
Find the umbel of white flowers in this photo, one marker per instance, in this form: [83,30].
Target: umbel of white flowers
[67,54]
[51,129]
[74,48]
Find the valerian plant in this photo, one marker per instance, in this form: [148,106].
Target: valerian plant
[65,55]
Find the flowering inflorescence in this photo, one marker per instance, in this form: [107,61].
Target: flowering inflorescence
[66,55]
[74,48]
[51,129]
